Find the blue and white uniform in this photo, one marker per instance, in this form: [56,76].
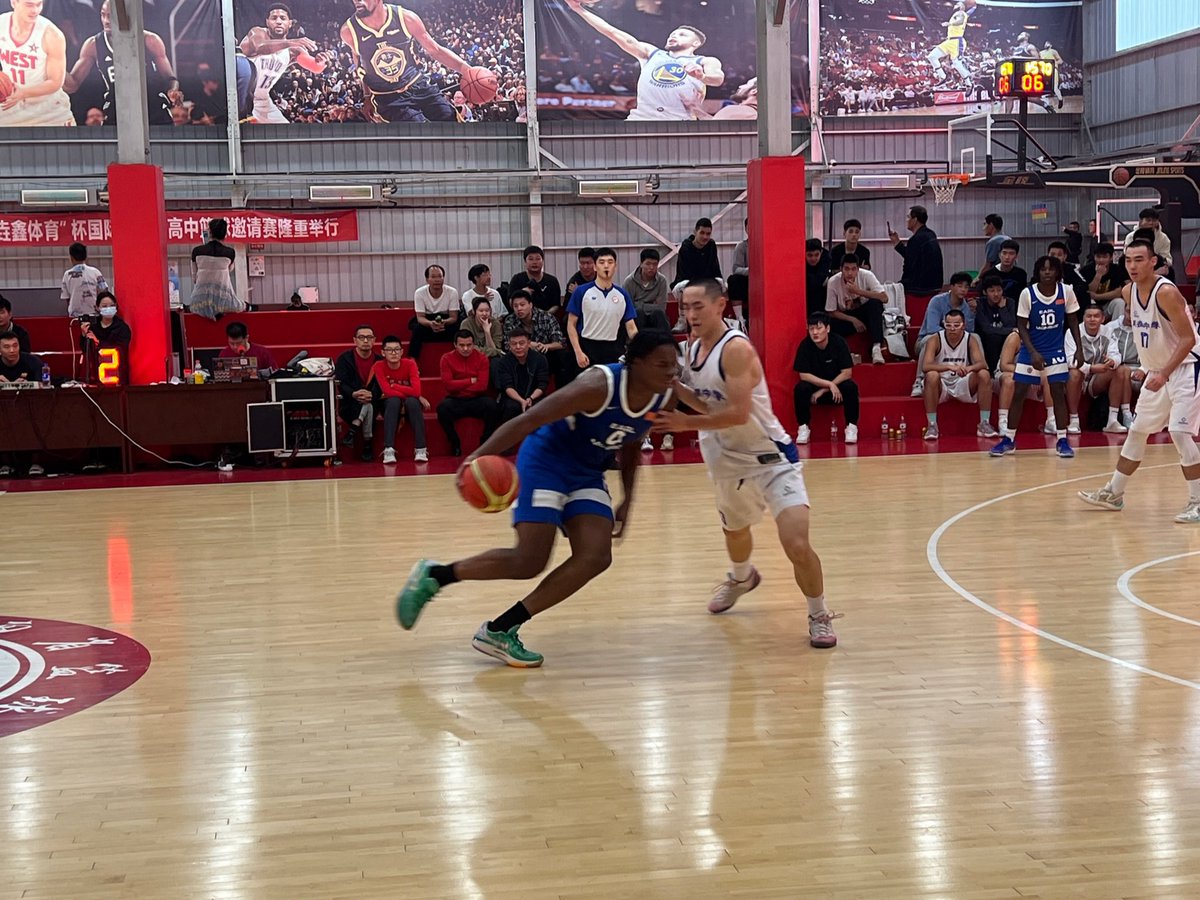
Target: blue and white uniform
[1177,404]
[1047,331]
[665,91]
[561,465]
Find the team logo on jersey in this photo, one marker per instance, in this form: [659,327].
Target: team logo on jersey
[389,63]
[671,74]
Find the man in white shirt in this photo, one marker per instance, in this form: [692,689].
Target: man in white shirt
[480,277]
[81,283]
[854,301]
[438,309]
[1148,218]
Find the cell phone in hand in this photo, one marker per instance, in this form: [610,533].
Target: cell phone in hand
[889,225]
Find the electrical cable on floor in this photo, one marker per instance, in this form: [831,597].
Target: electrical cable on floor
[171,462]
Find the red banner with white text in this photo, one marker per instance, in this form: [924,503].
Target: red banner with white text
[274,227]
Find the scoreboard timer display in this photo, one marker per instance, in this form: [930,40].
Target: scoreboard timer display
[1016,78]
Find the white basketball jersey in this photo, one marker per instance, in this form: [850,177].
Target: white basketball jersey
[663,87]
[953,356]
[271,67]
[1154,337]
[744,449]
[25,64]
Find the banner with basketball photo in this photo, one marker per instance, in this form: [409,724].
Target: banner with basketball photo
[655,60]
[56,63]
[917,57]
[323,61]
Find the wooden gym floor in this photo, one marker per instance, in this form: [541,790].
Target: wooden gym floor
[1008,715]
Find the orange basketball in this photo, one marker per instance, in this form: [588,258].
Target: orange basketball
[479,85]
[489,483]
[6,87]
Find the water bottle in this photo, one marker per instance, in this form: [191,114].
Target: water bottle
[883,429]
[833,430]
[903,428]
[45,375]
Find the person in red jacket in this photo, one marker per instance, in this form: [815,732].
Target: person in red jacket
[464,373]
[400,383]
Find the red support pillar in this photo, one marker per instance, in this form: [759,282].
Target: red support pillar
[777,304]
[137,208]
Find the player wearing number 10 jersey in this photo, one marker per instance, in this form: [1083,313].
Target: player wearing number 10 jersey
[1169,350]
[570,438]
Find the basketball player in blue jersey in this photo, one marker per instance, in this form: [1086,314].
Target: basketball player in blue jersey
[1046,309]
[570,439]
[161,83]
[673,79]
[395,87]
[1168,350]
[753,463]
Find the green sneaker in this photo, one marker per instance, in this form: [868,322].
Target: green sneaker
[506,647]
[417,591]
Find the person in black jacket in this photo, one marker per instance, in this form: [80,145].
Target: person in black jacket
[698,255]
[521,375]
[7,324]
[923,272]
[353,371]
[106,331]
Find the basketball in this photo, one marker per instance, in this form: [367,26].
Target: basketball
[6,87]
[479,85]
[489,483]
[1121,176]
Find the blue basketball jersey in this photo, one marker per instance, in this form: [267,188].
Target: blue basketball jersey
[587,441]
[1047,322]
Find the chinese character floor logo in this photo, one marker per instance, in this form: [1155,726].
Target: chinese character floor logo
[49,669]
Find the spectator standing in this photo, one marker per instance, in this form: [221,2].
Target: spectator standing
[995,320]
[212,288]
[238,343]
[81,283]
[486,331]
[824,365]
[465,375]
[399,382]
[922,254]
[1012,277]
[522,376]
[7,324]
[851,232]
[585,274]
[437,308]
[597,314]
[1073,238]
[940,304]
[546,293]
[816,273]
[105,331]
[1104,279]
[648,289]
[698,255]
[352,372]
[993,230]
[480,277]
[1091,241]
[854,303]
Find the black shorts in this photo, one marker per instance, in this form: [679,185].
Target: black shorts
[420,103]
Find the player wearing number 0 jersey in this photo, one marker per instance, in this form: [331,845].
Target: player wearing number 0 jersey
[571,438]
[751,459]
[1046,310]
[33,55]
[1169,350]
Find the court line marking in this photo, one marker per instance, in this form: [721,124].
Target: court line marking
[1128,594]
[931,553]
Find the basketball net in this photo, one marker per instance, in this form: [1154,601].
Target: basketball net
[945,186]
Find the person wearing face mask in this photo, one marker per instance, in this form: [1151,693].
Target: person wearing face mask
[107,330]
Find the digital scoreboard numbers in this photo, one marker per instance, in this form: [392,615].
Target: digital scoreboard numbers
[1017,78]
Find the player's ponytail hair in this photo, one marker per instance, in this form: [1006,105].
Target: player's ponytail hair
[646,342]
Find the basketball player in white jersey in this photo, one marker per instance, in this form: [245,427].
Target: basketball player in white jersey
[674,78]
[273,53]
[161,83]
[955,360]
[751,459]
[33,53]
[1169,350]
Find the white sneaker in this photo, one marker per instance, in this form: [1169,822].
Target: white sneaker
[646,445]
[918,387]
[389,456]
[851,434]
[1050,427]
[1115,427]
[1073,427]
[35,470]
[5,471]
[877,355]
[420,455]
[1190,515]
[668,442]
[803,434]
[727,593]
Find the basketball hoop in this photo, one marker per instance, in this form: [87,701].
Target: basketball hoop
[945,185]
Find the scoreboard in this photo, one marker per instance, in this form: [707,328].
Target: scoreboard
[1016,78]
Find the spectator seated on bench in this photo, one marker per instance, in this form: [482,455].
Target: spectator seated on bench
[400,384]
[358,400]
[464,372]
